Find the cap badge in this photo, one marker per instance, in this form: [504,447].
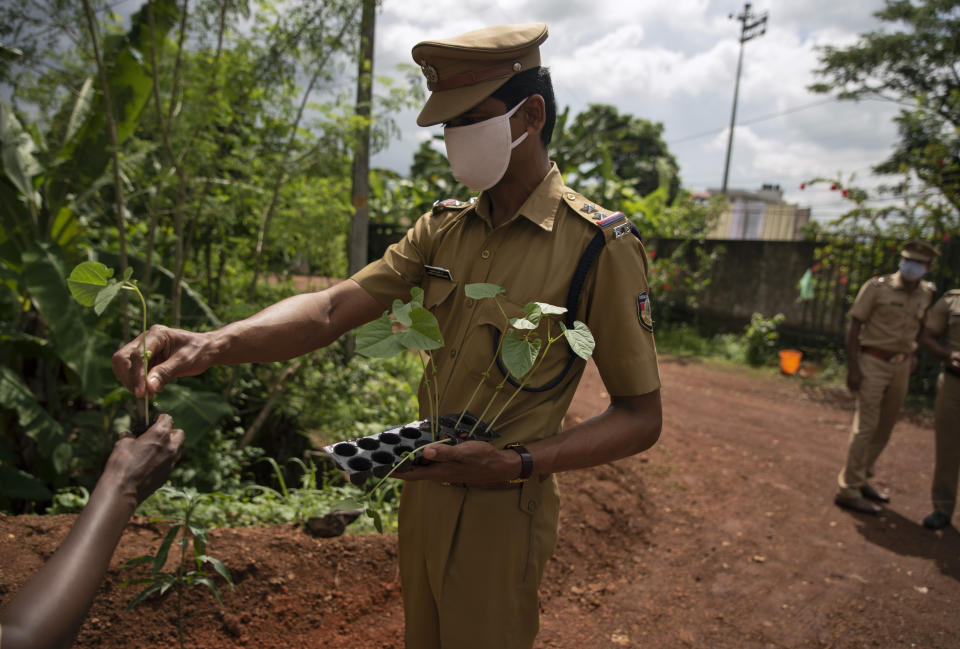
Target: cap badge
[430,72]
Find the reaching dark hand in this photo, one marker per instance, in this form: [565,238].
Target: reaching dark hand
[144,463]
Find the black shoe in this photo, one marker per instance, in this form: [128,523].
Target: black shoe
[861,505]
[936,521]
[872,494]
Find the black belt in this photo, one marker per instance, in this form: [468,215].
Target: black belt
[890,357]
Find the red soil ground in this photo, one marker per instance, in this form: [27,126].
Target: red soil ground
[722,535]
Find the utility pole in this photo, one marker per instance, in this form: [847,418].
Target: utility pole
[751,26]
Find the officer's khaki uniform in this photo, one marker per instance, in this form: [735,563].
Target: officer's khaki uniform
[943,319]
[471,559]
[891,318]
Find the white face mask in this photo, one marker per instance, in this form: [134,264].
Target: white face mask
[912,270]
[480,153]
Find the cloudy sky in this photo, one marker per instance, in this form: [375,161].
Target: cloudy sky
[675,63]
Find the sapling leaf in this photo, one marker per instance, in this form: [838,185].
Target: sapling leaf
[522,323]
[137,561]
[164,549]
[533,312]
[416,296]
[579,338]
[423,333]
[209,584]
[128,273]
[401,312]
[377,521]
[218,566]
[481,291]
[549,309]
[105,296]
[144,594]
[519,354]
[347,504]
[376,339]
[86,281]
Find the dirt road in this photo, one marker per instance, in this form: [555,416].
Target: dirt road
[722,535]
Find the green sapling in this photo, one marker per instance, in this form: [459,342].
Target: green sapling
[91,284]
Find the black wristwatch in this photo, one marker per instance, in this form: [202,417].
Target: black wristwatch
[526,462]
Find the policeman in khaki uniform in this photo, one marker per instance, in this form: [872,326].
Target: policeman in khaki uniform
[943,323]
[478,524]
[885,321]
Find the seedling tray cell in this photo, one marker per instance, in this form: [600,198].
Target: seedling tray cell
[376,455]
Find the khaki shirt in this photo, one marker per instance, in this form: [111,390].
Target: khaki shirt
[890,314]
[533,256]
[944,317]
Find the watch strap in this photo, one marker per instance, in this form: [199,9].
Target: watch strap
[526,462]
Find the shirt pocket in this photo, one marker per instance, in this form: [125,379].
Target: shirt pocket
[890,312]
[438,298]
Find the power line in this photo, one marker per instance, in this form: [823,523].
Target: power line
[762,118]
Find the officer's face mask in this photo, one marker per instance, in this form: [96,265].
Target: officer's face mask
[480,153]
[912,270]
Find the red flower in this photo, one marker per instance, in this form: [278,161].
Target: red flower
[833,187]
[843,280]
[815,268]
[803,186]
[652,254]
[946,236]
[845,193]
[666,287]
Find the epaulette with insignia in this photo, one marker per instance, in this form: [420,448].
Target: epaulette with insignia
[452,204]
[599,216]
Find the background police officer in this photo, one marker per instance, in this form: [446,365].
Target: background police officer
[941,337]
[885,321]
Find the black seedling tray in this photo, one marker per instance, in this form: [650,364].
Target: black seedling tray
[376,455]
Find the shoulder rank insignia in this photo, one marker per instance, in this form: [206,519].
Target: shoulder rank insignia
[450,204]
[645,311]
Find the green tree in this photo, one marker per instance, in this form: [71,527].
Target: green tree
[601,144]
[913,61]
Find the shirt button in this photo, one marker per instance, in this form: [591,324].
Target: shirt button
[485,254]
[453,353]
[469,302]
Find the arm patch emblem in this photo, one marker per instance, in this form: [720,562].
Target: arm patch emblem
[645,311]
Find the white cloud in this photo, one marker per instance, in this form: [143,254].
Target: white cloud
[675,63]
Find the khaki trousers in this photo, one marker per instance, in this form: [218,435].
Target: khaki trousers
[881,395]
[947,431]
[471,562]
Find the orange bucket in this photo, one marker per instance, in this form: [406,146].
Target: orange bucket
[790,360]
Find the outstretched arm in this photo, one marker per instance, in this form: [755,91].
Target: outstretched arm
[50,608]
[289,328]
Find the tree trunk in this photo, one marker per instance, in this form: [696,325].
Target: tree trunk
[360,193]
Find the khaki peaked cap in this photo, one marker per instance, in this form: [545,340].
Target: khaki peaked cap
[464,70]
[919,251]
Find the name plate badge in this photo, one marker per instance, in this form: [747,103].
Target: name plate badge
[436,271]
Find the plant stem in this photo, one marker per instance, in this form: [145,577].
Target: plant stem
[183,558]
[144,354]
[524,382]
[406,457]
[486,373]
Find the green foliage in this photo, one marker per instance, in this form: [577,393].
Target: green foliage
[601,149]
[761,337]
[912,61]
[191,537]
